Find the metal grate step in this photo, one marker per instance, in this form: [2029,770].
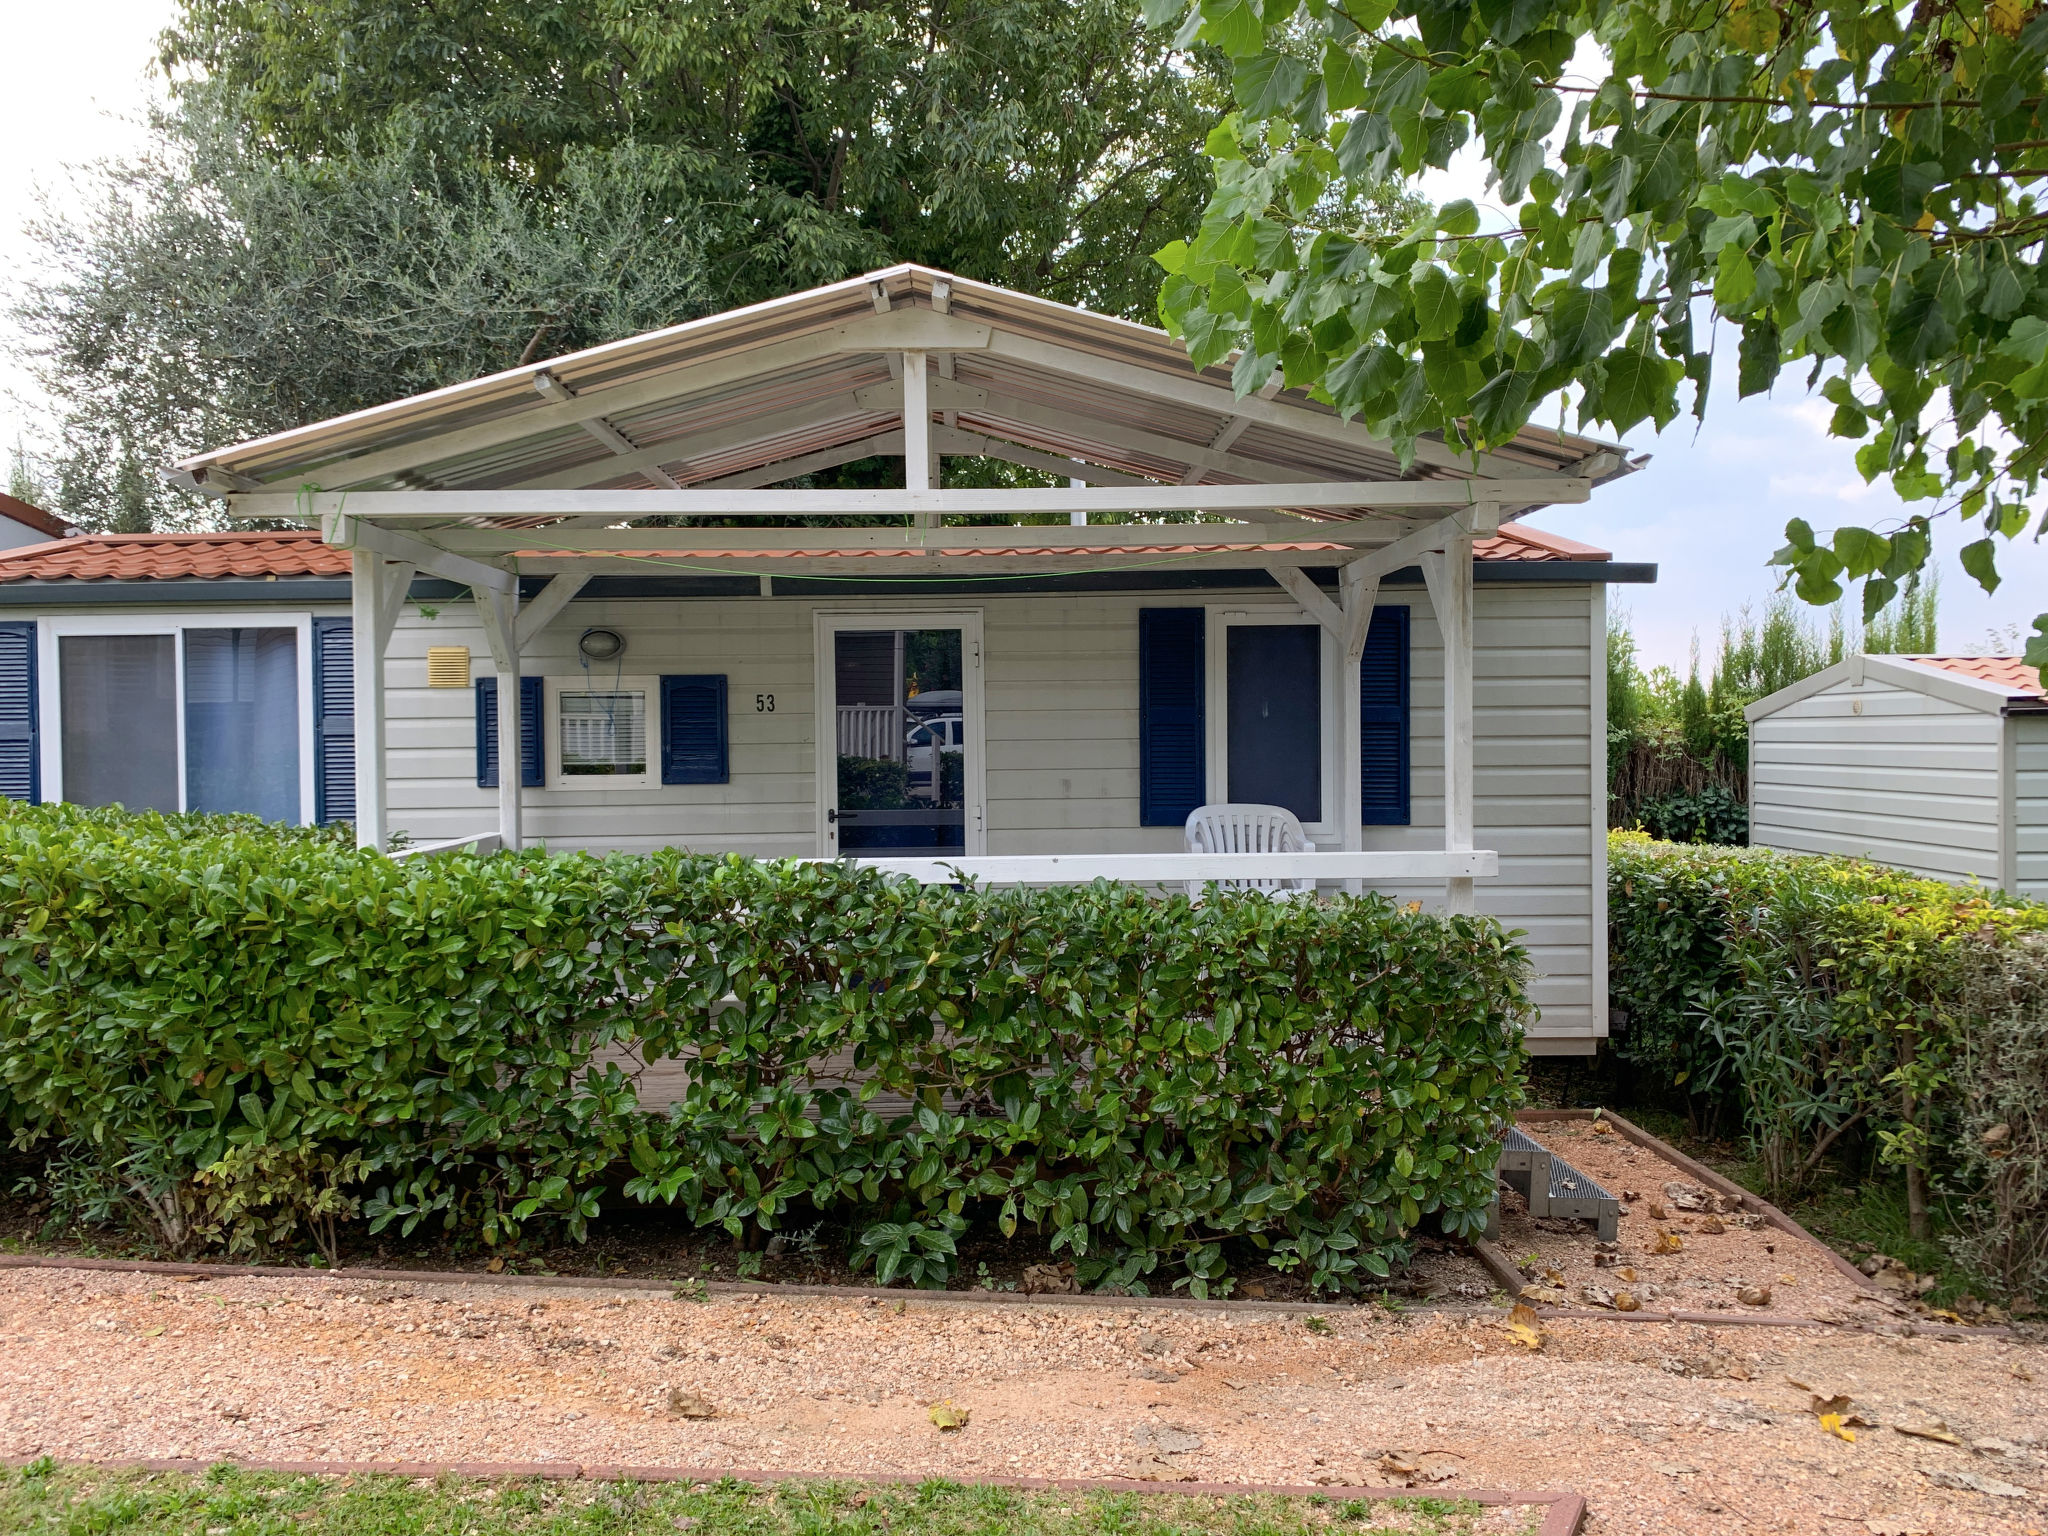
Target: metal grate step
[1553,1187]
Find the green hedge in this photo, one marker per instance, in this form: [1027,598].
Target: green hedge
[1811,998]
[241,1033]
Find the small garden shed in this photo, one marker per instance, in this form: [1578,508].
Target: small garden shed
[1936,764]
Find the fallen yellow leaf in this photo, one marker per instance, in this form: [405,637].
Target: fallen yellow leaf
[1523,1327]
[947,1415]
[1666,1242]
[1832,1423]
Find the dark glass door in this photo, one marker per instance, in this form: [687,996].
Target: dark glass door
[899,708]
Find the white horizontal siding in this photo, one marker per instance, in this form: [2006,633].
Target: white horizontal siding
[1061,679]
[1880,772]
[2030,803]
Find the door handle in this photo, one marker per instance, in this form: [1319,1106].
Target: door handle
[831,816]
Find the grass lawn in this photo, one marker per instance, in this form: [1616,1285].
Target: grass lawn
[75,1501]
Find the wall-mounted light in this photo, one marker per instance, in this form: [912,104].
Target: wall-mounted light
[601,644]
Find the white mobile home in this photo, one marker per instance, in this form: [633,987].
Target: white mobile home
[1936,764]
[1386,653]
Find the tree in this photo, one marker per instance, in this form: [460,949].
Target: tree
[214,295]
[1854,188]
[358,199]
[1047,145]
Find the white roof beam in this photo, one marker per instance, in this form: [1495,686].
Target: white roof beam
[700,445]
[555,392]
[960,441]
[1185,389]
[1348,541]
[673,384]
[882,444]
[1358,496]
[1233,429]
[346,532]
[1103,432]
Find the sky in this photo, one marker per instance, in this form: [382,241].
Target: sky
[1708,508]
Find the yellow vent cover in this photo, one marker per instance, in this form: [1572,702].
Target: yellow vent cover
[447,666]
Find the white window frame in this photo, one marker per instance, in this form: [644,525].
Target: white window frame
[555,689]
[826,625]
[50,630]
[1324,830]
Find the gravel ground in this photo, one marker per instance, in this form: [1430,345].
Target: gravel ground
[1666,1428]
[1720,1258]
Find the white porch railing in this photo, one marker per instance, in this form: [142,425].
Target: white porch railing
[871,730]
[483,845]
[1162,868]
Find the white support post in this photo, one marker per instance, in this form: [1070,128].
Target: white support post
[1449,575]
[378,590]
[500,615]
[917,430]
[1358,591]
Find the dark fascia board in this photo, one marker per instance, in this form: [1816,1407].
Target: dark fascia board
[285,591]
[298,591]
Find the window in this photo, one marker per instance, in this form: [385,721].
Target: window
[599,736]
[193,716]
[118,700]
[242,721]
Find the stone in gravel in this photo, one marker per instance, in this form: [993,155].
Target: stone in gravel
[1154,1373]
[1975,1482]
[1167,1439]
[685,1404]
[665,1351]
[1754,1295]
[1152,1343]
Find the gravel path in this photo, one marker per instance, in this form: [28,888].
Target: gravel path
[1664,1427]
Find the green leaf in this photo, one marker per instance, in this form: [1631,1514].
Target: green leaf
[1581,327]
[1435,298]
[1734,281]
[1980,559]
[1173,256]
[1161,14]
[1860,551]
[1233,26]
[1343,82]
[1918,331]
[1268,84]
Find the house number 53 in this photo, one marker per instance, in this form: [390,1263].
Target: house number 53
[764,703]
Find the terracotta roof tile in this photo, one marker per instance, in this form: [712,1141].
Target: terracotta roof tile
[200,556]
[173,556]
[2007,672]
[1518,541]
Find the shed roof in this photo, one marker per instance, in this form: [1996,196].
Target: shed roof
[1989,684]
[2008,672]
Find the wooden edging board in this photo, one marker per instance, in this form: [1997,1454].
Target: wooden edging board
[1504,1272]
[1564,1511]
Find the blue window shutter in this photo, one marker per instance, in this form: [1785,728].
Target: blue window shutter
[334,721]
[20,759]
[1173,746]
[694,745]
[532,703]
[1383,720]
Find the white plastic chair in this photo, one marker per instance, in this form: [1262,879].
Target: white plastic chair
[1249,829]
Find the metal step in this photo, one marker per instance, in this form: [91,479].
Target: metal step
[1553,1187]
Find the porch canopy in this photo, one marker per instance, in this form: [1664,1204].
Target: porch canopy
[550,470]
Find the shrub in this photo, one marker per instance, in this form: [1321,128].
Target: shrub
[2002,1123]
[1813,997]
[1710,814]
[1143,1080]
